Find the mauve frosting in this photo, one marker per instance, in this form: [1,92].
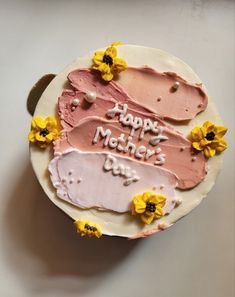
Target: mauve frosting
[152,89]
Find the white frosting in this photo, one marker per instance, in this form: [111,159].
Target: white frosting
[135,123]
[156,139]
[127,146]
[124,224]
[117,168]
[100,132]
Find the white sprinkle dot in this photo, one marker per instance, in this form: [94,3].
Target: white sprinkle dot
[193,159]
[178,202]
[158,150]
[75,102]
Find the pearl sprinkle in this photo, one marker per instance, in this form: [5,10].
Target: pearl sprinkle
[90,97]
[176,86]
[178,202]
[75,102]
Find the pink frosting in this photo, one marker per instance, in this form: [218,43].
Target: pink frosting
[153,90]
[189,169]
[70,118]
[156,229]
[81,179]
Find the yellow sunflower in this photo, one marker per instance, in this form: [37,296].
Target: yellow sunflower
[86,228]
[209,139]
[149,206]
[43,131]
[108,63]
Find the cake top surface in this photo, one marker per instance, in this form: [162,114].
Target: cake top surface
[123,159]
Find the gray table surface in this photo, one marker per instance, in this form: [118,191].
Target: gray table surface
[40,254]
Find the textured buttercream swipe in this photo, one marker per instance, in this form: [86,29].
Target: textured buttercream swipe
[190,170]
[92,180]
[71,117]
[152,89]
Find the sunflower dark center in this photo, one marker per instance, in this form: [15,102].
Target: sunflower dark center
[44,132]
[210,136]
[150,206]
[91,228]
[108,60]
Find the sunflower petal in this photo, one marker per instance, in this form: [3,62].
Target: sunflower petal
[116,43]
[51,123]
[107,76]
[98,58]
[159,200]
[104,68]
[197,146]
[158,212]
[49,137]
[40,137]
[55,135]
[220,131]
[204,142]
[147,219]
[209,152]
[119,65]
[208,126]
[138,204]
[31,136]
[222,145]
[39,123]
[146,196]
[79,225]
[111,51]
[196,134]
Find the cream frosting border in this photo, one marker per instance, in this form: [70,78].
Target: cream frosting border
[124,224]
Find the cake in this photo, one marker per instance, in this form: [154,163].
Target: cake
[126,141]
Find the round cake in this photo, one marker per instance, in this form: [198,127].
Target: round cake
[126,141]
